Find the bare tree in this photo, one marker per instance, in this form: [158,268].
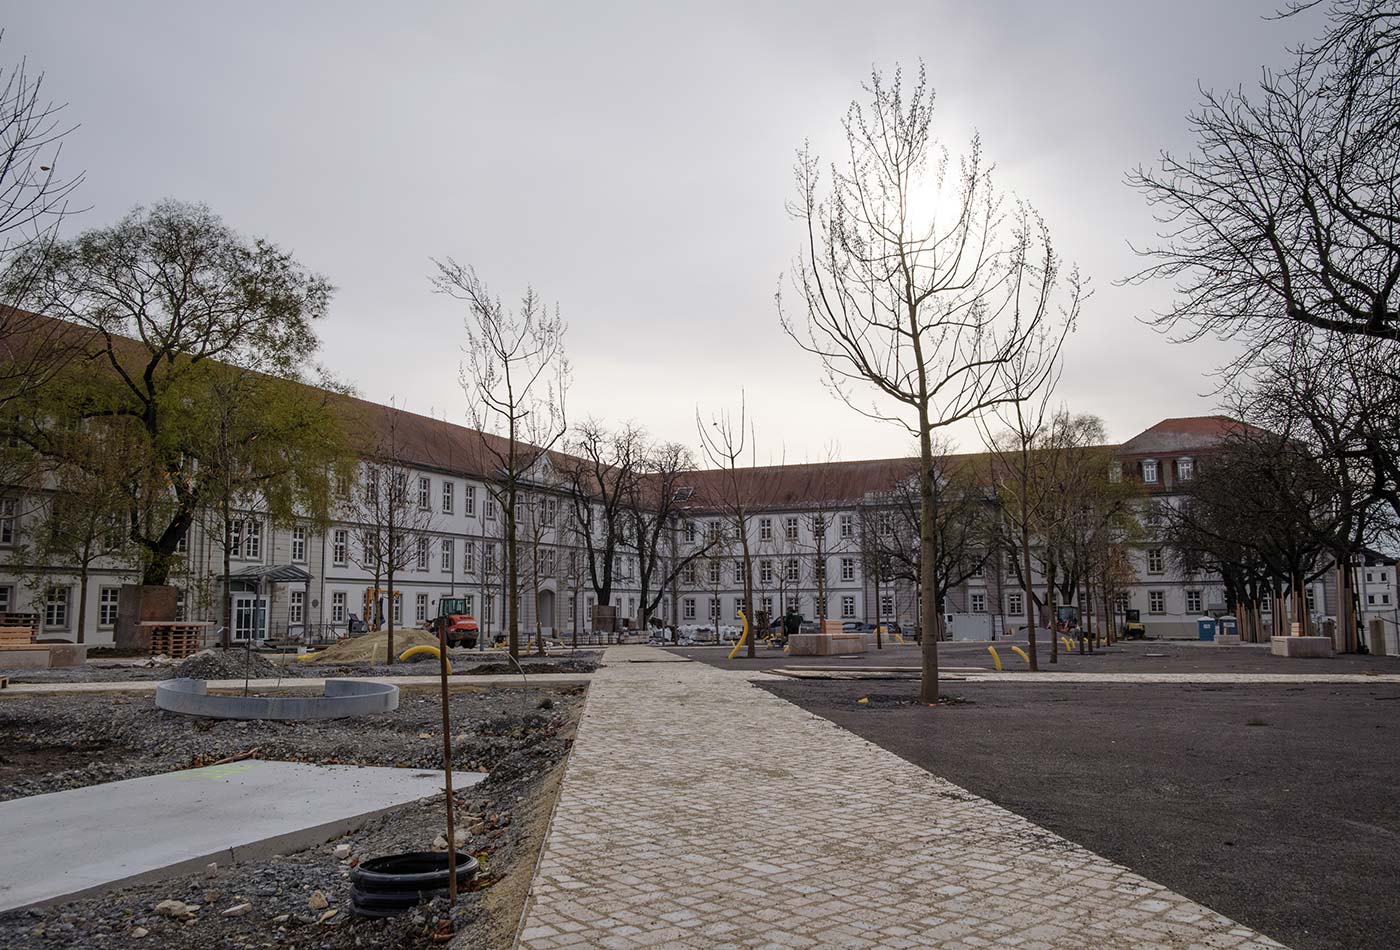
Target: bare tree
[919,281]
[516,377]
[652,508]
[1286,213]
[34,200]
[600,475]
[390,521]
[729,445]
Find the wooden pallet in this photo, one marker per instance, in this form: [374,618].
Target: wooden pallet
[175,641]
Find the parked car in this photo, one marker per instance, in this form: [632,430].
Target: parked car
[856,626]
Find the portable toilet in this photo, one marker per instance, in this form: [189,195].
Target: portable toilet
[1228,626]
[1205,628]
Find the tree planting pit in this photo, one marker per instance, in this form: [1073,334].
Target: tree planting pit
[343,698]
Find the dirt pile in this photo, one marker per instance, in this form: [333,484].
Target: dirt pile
[374,647]
[232,664]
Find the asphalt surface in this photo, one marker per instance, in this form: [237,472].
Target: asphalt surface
[1135,656]
[1275,805]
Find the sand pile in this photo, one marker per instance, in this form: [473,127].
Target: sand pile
[374,647]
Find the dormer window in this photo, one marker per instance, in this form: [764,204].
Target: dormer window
[1185,469]
[1149,471]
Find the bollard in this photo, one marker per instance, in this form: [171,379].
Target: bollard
[1022,654]
[995,658]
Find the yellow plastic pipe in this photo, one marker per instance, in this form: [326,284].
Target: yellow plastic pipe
[302,658]
[742,637]
[423,650]
[995,658]
[1022,654]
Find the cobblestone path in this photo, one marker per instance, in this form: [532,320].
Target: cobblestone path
[701,811]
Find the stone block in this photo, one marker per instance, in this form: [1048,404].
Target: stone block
[24,659]
[1303,647]
[68,654]
[1227,639]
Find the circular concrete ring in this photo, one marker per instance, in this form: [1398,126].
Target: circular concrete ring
[347,697]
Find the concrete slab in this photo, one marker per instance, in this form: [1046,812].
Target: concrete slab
[404,683]
[1308,647]
[65,844]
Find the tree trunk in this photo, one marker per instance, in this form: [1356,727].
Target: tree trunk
[228,584]
[1026,574]
[929,615]
[512,575]
[82,603]
[389,642]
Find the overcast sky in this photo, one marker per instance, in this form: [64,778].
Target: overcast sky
[632,161]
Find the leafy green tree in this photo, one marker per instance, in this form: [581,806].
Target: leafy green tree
[154,300]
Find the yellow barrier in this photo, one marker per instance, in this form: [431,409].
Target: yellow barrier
[1069,647]
[742,637]
[1022,654]
[302,658]
[995,658]
[423,650]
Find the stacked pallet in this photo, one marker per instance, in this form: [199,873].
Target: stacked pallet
[175,640]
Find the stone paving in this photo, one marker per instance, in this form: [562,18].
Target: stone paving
[700,811]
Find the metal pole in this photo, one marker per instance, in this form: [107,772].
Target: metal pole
[447,765]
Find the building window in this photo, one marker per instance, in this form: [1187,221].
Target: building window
[1149,471]
[425,493]
[765,529]
[980,570]
[848,526]
[738,570]
[106,607]
[469,500]
[978,601]
[714,572]
[338,606]
[56,608]
[738,608]
[551,509]
[1156,602]
[790,527]
[688,574]
[1193,601]
[1124,602]
[1185,469]
[340,546]
[886,523]
[790,570]
[1310,597]
[296,607]
[714,529]
[1266,602]
[398,607]
[765,572]
[1015,606]
[420,607]
[714,609]
[422,554]
[8,509]
[688,530]
[245,539]
[298,545]
[490,509]
[848,568]
[468,557]
[448,500]
[688,608]
[886,606]
[848,606]
[445,557]
[1155,561]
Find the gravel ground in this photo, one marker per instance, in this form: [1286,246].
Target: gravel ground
[234,664]
[519,736]
[1274,805]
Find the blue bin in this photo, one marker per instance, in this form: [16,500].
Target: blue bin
[1205,628]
